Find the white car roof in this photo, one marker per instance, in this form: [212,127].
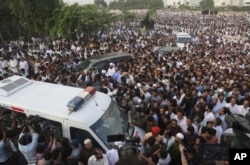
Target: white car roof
[52,99]
[182,34]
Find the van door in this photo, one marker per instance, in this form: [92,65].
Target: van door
[49,124]
[80,134]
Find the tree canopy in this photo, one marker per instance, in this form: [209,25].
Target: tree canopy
[33,15]
[80,19]
[207,4]
[101,3]
[36,18]
[136,4]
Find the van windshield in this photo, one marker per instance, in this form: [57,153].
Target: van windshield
[113,122]
[83,65]
[184,40]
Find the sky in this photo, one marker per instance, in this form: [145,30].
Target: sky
[82,2]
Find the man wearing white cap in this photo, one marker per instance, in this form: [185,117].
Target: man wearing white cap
[111,69]
[112,154]
[174,150]
[86,152]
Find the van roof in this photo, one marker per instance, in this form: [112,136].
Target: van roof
[182,34]
[91,61]
[109,56]
[51,100]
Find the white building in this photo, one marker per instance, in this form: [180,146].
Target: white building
[176,3]
[245,3]
[84,2]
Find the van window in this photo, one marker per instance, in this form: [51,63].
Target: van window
[113,122]
[184,40]
[102,65]
[51,127]
[119,59]
[83,65]
[42,125]
[80,135]
[6,117]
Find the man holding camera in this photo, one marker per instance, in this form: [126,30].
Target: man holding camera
[27,143]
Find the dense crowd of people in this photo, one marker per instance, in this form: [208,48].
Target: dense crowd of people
[181,99]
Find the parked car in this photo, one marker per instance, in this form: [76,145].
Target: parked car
[167,50]
[102,62]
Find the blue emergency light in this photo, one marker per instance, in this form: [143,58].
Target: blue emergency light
[75,103]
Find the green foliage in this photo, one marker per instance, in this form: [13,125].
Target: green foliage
[32,15]
[136,4]
[185,7]
[9,28]
[36,18]
[100,3]
[151,14]
[80,19]
[207,4]
[128,16]
[239,8]
[233,8]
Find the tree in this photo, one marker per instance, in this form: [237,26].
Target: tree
[128,16]
[100,3]
[9,28]
[207,4]
[137,4]
[33,15]
[79,19]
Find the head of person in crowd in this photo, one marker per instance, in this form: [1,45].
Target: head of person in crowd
[74,143]
[150,122]
[179,137]
[221,97]
[180,113]
[154,159]
[192,156]
[190,131]
[202,100]
[25,139]
[88,144]
[233,101]
[65,148]
[210,135]
[199,140]
[98,153]
[217,121]
[56,156]
[224,110]
[155,130]
[46,158]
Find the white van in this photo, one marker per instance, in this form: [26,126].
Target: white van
[182,39]
[74,113]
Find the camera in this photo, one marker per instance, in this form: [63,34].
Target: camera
[129,143]
[49,130]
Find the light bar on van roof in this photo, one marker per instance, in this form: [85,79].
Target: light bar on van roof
[75,103]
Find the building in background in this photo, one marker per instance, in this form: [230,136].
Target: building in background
[83,2]
[176,3]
